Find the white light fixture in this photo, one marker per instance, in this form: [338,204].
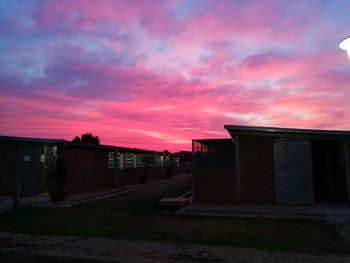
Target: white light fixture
[345,44]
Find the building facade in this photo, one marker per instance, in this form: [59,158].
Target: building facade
[274,166]
[32,162]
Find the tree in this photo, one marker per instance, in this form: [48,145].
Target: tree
[166,152]
[76,139]
[87,138]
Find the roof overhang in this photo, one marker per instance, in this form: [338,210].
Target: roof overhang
[288,133]
[31,140]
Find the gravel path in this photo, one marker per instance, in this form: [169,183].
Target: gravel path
[129,251]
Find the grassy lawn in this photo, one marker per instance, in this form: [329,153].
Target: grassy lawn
[12,257]
[138,216]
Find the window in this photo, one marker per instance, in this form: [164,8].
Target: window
[129,160]
[166,161]
[159,161]
[111,160]
[141,160]
[177,161]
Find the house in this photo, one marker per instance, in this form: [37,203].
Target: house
[264,165]
[31,161]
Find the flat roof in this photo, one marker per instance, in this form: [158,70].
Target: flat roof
[27,139]
[76,144]
[212,140]
[288,132]
[215,143]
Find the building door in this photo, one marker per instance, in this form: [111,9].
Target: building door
[329,171]
[28,169]
[293,173]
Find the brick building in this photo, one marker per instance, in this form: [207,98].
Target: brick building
[261,165]
[87,167]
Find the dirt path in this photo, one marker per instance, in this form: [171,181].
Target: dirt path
[122,251]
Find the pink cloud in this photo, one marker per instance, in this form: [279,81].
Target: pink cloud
[139,74]
[87,15]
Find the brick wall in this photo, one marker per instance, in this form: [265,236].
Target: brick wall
[214,185]
[174,171]
[130,176]
[87,169]
[256,166]
[348,178]
[161,173]
[133,176]
[8,155]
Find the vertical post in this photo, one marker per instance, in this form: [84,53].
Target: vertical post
[16,196]
[154,165]
[347,169]
[116,166]
[238,179]
[134,160]
[193,171]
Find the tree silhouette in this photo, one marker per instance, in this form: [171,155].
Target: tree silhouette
[87,138]
[166,152]
[76,139]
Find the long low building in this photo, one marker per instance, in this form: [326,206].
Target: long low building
[265,165]
[31,162]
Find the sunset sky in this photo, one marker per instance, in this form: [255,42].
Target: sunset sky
[156,74]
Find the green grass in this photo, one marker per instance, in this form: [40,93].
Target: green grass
[138,216]
[14,257]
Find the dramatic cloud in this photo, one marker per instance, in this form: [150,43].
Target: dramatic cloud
[156,74]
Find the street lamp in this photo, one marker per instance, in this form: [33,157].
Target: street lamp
[345,44]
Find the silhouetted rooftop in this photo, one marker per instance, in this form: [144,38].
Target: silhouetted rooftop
[61,141]
[287,132]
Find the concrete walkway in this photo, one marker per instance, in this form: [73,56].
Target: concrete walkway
[127,251]
[76,199]
[272,211]
[6,202]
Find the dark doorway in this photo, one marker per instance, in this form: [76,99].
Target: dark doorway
[329,172]
[27,169]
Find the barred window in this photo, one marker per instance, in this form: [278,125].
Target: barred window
[111,158]
[141,160]
[129,160]
[159,161]
[166,161]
